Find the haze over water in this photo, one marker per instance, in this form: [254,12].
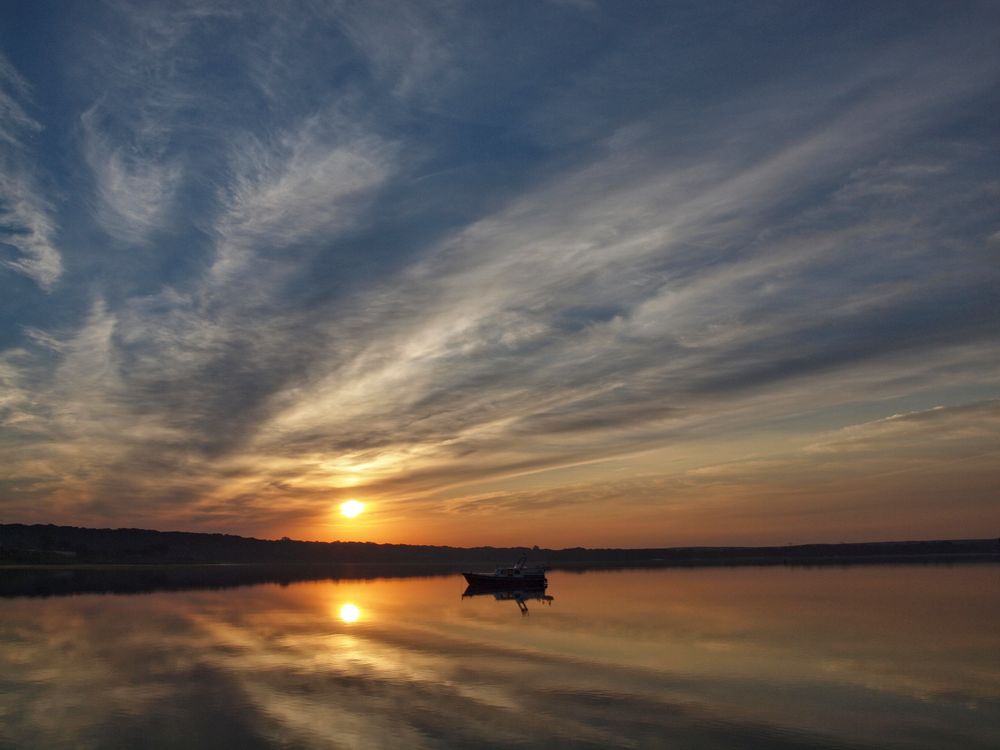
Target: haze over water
[881,656]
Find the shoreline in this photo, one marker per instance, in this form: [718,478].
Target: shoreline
[575,565]
[27,580]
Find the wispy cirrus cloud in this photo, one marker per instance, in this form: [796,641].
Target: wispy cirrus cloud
[27,224]
[577,281]
[29,228]
[306,185]
[14,121]
[413,55]
[138,75]
[134,190]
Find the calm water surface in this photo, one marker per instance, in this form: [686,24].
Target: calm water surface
[887,657]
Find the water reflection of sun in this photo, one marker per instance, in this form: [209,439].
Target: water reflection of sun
[349,612]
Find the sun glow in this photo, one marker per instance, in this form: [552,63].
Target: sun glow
[349,612]
[351,508]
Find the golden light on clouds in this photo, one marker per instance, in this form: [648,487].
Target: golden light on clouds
[351,508]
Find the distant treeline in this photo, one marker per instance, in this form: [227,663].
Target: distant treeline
[69,545]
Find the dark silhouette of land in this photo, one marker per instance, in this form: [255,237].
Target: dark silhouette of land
[46,560]
[62,580]
[69,545]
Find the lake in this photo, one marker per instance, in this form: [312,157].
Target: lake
[752,657]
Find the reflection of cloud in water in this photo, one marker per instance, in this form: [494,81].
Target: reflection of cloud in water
[723,658]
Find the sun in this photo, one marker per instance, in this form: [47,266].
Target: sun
[351,508]
[350,612]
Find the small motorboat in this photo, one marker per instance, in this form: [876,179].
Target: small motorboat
[517,575]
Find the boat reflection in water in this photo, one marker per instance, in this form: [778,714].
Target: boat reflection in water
[519,595]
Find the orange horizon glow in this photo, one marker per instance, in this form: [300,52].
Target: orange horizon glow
[882,480]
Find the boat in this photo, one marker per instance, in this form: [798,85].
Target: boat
[517,575]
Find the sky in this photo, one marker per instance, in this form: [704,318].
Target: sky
[555,273]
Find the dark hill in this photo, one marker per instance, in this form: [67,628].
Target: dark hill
[69,545]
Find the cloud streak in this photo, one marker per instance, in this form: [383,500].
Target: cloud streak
[27,226]
[134,191]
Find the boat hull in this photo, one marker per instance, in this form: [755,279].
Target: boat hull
[487,581]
